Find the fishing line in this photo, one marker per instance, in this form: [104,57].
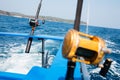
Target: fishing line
[88,12]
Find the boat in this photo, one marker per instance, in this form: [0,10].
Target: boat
[71,58]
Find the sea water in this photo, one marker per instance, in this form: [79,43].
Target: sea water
[12,49]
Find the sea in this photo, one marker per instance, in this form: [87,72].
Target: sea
[12,49]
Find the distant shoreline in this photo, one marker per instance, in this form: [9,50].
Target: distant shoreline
[49,18]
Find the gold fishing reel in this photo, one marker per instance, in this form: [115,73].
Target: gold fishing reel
[77,44]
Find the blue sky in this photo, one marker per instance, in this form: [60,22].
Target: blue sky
[105,13]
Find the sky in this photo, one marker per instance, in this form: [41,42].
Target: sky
[103,13]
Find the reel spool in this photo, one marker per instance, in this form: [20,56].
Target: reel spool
[77,44]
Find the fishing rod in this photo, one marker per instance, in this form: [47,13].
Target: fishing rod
[85,48]
[78,15]
[33,23]
[70,64]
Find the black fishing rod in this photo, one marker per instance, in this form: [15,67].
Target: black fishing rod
[78,15]
[71,65]
[33,23]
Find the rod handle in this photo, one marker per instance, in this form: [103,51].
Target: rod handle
[28,45]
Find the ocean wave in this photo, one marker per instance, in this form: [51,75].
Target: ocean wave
[113,46]
[20,63]
[113,72]
[115,51]
[110,42]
